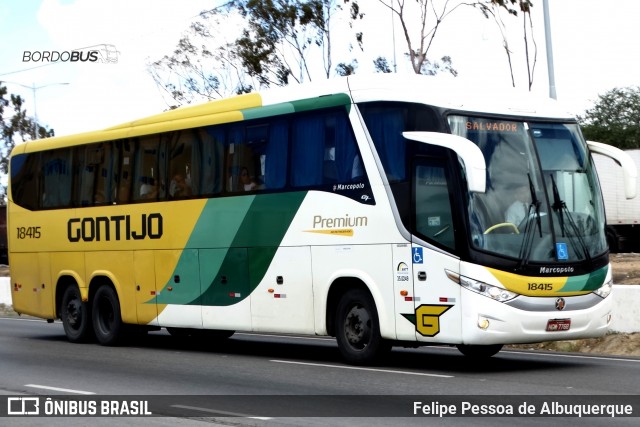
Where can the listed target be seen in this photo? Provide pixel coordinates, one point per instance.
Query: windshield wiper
(561, 208)
(527, 242)
(535, 203)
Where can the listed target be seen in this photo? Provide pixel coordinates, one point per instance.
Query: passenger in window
(99, 197)
(246, 181)
(179, 186)
(149, 191)
(123, 193)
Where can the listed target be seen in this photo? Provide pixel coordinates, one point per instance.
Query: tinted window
(297, 151)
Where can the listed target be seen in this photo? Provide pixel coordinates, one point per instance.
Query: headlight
(604, 290)
(493, 292)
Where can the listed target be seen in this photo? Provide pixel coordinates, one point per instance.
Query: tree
(492, 9)
(431, 17)
(275, 44)
(16, 127)
(615, 118)
(281, 41)
(382, 65)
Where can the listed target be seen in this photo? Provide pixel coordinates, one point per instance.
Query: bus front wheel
(358, 328)
(107, 322)
(75, 315)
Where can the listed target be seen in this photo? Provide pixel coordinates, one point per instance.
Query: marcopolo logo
(103, 53)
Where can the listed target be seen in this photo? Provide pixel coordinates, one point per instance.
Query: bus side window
(276, 155)
(126, 148)
(207, 160)
(339, 140)
(26, 179)
(84, 175)
(147, 180)
(324, 150)
(308, 150)
(243, 158)
(184, 180)
(92, 179)
(108, 172)
(58, 178)
(253, 163)
(433, 212)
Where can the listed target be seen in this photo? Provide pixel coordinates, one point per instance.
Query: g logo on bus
(560, 304)
(428, 319)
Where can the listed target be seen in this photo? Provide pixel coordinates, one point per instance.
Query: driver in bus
(517, 211)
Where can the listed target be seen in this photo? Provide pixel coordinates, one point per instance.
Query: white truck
(623, 214)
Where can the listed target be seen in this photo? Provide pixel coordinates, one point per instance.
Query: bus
(377, 210)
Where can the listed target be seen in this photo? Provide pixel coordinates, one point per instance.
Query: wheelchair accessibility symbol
(417, 256)
(561, 251)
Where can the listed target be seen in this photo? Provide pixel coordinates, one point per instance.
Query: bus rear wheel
(107, 322)
(75, 315)
(358, 328)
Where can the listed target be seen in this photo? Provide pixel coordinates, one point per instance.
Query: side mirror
(629, 169)
(472, 158)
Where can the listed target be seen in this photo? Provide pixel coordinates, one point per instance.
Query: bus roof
(450, 93)
(378, 87)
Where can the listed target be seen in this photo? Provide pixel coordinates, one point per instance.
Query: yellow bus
(383, 211)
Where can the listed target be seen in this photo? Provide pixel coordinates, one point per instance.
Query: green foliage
(512, 6)
(344, 69)
(16, 127)
(275, 45)
(614, 119)
(381, 65)
(246, 45)
(271, 43)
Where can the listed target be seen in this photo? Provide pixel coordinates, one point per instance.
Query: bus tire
(479, 351)
(358, 328)
(107, 321)
(613, 240)
(75, 315)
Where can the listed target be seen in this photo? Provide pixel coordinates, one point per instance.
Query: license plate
(556, 325)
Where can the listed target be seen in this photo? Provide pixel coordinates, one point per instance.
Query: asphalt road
(268, 380)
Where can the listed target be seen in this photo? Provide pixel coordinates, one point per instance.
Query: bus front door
(435, 266)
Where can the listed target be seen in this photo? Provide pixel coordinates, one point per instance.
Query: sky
(595, 47)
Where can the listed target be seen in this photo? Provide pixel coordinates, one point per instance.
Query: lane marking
(582, 356)
(66, 390)
(435, 347)
(356, 368)
(215, 411)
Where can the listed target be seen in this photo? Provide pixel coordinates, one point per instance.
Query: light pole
(34, 88)
(547, 38)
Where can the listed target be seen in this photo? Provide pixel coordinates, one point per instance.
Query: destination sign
(492, 126)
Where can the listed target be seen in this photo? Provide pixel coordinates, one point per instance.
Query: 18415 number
(28, 232)
(540, 287)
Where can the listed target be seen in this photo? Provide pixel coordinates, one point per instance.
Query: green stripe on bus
(268, 111)
(298, 106)
(231, 248)
(328, 101)
(262, 231)
(586, 282)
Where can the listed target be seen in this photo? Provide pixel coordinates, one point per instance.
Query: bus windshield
(542, 202)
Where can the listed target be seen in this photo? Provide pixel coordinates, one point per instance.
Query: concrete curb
(626, 308)
(626, 305)
(5, 290)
